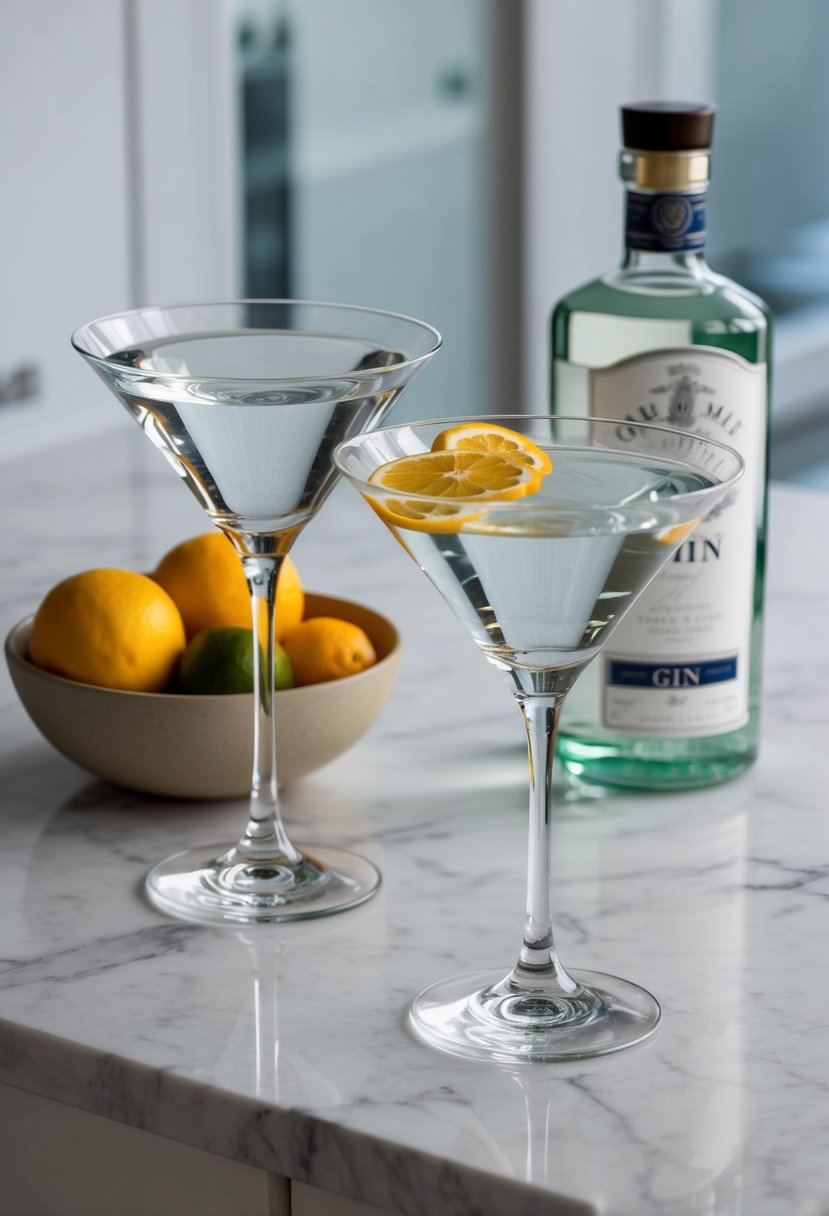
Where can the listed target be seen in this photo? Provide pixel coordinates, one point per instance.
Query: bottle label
(678, 664)
(665, 223)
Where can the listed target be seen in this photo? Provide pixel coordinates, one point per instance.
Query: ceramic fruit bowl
(201, 747)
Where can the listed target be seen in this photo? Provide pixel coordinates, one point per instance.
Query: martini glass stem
(538, 965)
(265, 838)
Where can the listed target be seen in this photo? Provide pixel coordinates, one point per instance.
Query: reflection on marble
(287, 1048)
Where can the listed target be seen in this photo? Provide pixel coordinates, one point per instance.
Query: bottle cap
(667, 126)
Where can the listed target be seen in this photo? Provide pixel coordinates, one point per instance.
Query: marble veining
(287, 1047)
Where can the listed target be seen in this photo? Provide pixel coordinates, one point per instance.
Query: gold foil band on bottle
(664, 170)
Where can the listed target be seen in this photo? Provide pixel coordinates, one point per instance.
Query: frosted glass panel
(366, 134)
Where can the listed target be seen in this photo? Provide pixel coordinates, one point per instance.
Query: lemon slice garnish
(458, 475)
(423, 516)
(488, 437)
(440, 479)
(672, 536)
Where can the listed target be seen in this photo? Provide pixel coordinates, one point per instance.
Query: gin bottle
(673, 700)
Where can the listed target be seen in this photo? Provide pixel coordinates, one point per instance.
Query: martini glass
(247, 401)
(540, 583)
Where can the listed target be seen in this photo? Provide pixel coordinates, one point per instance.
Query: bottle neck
(639, 261)
(665, 226)
(669, 222)
(665, 231)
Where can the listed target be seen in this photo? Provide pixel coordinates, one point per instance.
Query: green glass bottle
(673, 701)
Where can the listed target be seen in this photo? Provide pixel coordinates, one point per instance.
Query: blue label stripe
(625, 674)
(667, 223)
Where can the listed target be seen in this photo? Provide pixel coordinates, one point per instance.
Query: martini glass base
(468, 1016)
(201, 885)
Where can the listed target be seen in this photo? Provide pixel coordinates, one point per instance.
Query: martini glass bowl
(247, 401)
(540, 582)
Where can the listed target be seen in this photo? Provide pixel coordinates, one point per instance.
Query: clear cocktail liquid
(255, 450)
(540, 587)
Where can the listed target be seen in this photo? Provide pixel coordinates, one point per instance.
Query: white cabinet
(117, 161)
(64, 208)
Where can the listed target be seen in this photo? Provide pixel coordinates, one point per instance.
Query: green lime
(220, 660)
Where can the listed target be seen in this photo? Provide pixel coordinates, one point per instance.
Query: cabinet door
(63, 210)
(65, 1162)
(312, 1201)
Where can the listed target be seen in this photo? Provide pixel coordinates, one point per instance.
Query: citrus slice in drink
(489, 438)
(425, 516)
(450, 475)
(672, 536)
(445, 478)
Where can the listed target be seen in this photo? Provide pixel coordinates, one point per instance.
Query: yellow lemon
(327, 648)
(109, 627)
(204, 576)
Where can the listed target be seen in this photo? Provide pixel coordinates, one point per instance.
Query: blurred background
(456, 161)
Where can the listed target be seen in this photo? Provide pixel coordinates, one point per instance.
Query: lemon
(327, 648)
(204, 576)
(108, 627)
(220, 661)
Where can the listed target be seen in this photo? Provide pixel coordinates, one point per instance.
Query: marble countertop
(286, 1047)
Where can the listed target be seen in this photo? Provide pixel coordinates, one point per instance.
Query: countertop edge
(298, 1144)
